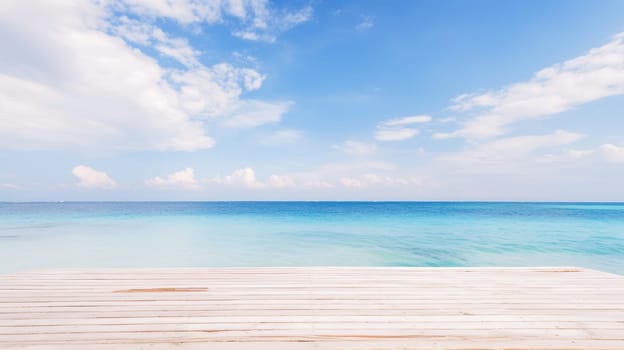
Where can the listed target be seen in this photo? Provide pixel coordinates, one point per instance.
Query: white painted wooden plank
(390, 327)
(337, 304)
(294, 304)
(344, 334)
(356, 295)
(598, 329)
(559, 314)
(518, 343)
(429, 319)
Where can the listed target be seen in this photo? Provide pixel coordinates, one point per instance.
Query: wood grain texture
(313, 308)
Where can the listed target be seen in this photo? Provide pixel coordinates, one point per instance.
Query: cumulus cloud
(184, 178)
(400, 128)
(246, 178)
(77, 75)
(281, 181)
(91, 178)
(613, 153)
(356, 148)
(597, 74)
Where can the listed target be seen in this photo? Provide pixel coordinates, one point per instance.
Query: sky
(311, 100)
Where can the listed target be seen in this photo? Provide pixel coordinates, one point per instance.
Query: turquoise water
(166, 234)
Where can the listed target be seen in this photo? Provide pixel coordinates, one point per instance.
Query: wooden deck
(313, 308)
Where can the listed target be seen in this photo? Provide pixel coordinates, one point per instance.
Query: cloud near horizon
(91, 178)
(511, 149)
(184, 178)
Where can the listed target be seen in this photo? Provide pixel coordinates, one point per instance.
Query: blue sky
(311, 100)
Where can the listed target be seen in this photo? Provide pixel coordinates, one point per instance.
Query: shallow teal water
(46, 235)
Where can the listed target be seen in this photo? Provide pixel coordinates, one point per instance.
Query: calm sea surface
(171, 234)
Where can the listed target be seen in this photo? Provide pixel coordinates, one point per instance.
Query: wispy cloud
(567, 155)
(356, 148)
(283, 136)
(613, 153)
(252, 113)
(396, 134)
(555, 89)
(148, 35)
(10, 186)
(508, 150)
(266, 23)
(366, 22)
(251, 19)
(400, 128)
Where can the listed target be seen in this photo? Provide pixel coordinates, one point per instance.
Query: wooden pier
(312, 308)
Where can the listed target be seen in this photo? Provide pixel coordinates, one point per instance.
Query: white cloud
(245, 177)
(511, 148)
(184, 178)
(415, 119)
(91, 178)
(69, 78)
(358, 165)
(146, 34)
(10, 186)
(566, 156)
(366, 23)
(183, 11)
(356, 148)
(395, 134)
(236, 8)
(267, 23)
(283, 136)
(613, 153)
(257, 18)
(281, 181)
(442, 135)
(445, 120)
(369, 180)
(291, 19)
(344, 174)
(587, 78)
(252, 113)
(399, 128)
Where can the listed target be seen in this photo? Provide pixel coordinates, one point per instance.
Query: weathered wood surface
(313, 308)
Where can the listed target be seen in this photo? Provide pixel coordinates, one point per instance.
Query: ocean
(216, 234)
